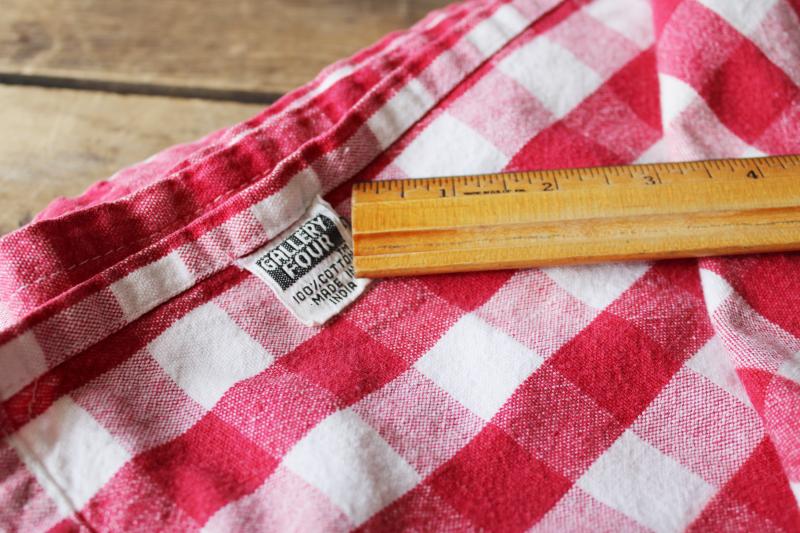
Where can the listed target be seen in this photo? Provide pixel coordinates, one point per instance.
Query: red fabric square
(762, 488)
(199, 472)
(559, 147)
(345, 360)
(497, 484)
(617, 365)
(556, 422)
(770, 284)
(671, 291)
(467, 291)
(748, 92)
(662, 11)
(611, 123)
(636, 84)
(342, 96)
(756, 382)
(412, 324)
(276, 408)
(134, 501)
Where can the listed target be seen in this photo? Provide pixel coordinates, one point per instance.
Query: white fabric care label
(310, 265)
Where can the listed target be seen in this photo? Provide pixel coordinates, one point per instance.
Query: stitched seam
(214, 151)
(371, 95)
(8, 434)
(130, 244)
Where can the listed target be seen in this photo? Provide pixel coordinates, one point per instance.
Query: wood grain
(543, 218)
(245, 49)
(56, 142)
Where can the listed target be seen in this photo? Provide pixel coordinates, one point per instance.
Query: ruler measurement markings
(561, 179)
(759, 169)
(752, 188)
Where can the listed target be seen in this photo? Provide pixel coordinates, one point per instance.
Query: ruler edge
(793, 158)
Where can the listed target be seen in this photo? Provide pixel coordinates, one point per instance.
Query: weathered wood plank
(56, 142)
(263, 47)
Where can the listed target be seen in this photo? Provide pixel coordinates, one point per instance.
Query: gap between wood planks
(146, 89)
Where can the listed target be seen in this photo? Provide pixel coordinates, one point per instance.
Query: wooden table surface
(90, 86)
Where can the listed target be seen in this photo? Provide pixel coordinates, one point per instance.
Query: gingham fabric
(148, 383)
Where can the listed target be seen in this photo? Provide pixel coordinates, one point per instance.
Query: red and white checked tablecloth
(148, 383)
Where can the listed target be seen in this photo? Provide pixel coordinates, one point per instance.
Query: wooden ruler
(585, 215)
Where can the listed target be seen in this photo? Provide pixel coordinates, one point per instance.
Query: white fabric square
(206, 353)
(6, 316)
(630, 18)
(714, 363)
(140, 290)
(715, 289)
(402, 110)
(790, 368)
(480, 366)
(676, 97)
(488, 36)
(448, 147)
(71, 455)
(658, 152)
(597, 285)
(646, 485)
(279, 211)
(352, 465)
(332, 78)
(752, 151)
(743, 15)
(21, 361)
(781, 47)
(552, 74)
